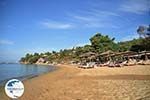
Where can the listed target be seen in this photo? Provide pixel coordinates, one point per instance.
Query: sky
(28, 26)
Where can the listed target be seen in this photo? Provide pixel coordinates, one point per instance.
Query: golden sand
(72, 83)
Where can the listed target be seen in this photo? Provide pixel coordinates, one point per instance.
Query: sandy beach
(103, 83)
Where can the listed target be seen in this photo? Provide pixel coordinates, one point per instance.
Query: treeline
(99, 43)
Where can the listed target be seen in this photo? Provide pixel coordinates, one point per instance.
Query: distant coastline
(8, 63)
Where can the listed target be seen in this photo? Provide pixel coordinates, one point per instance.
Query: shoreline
(26, 77)
(69, 82)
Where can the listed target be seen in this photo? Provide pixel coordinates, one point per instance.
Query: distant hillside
(99, 44)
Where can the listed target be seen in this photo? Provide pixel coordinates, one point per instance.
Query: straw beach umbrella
(89, 56)
(107, 54)
(146, 53)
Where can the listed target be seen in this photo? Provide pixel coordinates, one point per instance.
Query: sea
(22, 71)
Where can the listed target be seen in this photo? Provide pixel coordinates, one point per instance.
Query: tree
(27, 57)
(137, 48)
(22, 59)
(148, 31)
(87, 48)
(102, 43)
(48, 53)
(144, 31)
(130, 45)
(36, 54)
(140, 31)
(33, 59)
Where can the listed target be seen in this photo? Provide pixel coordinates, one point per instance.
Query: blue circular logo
(14, 88)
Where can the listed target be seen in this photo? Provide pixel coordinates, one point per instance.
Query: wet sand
(72, 83)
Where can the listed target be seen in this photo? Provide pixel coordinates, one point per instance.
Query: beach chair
(87, 65)
(141, 62)
(111, 64)
(124, 63)
(131, 62)
(146, 62)
(118, 65)
(105, 64)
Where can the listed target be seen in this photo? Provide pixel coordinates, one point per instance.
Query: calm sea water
(20, 71)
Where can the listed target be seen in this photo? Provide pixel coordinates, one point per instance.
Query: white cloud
(6, 42)
(97, 12)
(84, 18)
(136, 6)
(56, 25)
(94, 18)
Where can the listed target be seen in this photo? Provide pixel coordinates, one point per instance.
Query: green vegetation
(99, 43)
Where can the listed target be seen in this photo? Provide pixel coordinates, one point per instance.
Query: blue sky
(28, 26)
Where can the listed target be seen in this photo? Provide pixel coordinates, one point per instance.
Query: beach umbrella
(89, 56)
(107, 54)
(146, 53)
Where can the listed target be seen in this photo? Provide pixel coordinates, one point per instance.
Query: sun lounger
(131, 62)
(141, 62)
(87, 65)
(105, 64)
(146, 62)
(124, 63)
(118, 65)
(111, 64)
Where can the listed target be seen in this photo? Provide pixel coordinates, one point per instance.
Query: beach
(103, 83)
